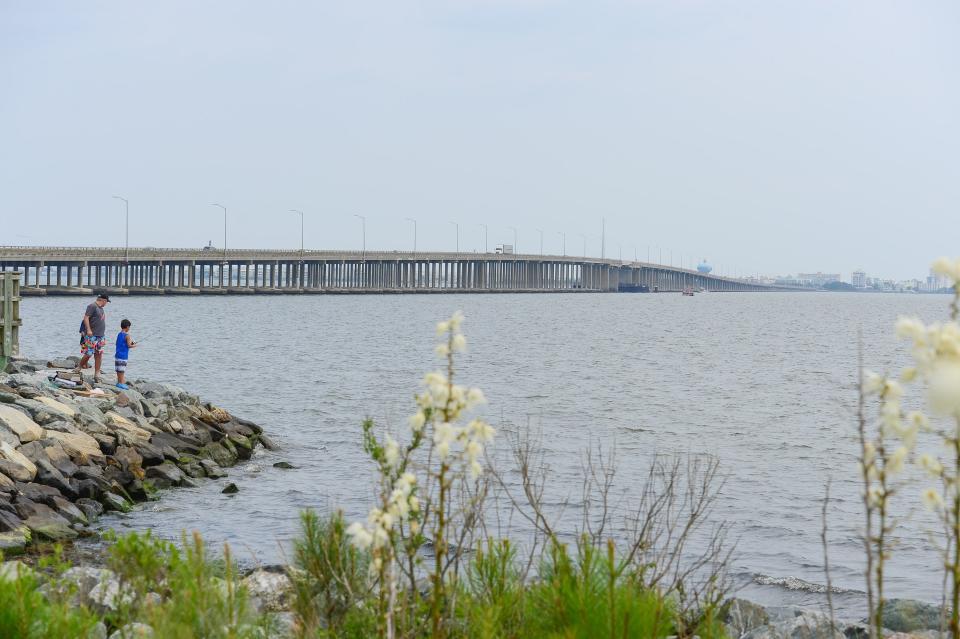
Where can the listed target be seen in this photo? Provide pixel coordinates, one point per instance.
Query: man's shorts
(92, 345)
(120, 365)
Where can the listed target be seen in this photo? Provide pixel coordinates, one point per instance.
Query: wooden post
(9, 317)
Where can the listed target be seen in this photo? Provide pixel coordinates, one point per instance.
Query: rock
(6, 484)
(122, 400)
(48, 475)
(219, 453)
(79, 446)
(17, 466)
(44, 523)
(242, 445)
(213, 470)
(91, 508)
(34, 451)
(19, 424)
(130, 460)
(13, 543)
(108, 444)
(284, 465)
(135, 630)
(82, 579)
(113, 501)
(10, 522)
(907, 615)
(150, 454)
(106, 596)
(165, 475)
(271, 589)
(69, 511)
(13, 570)
(743, 616)
(37, 492)
(803, 626)
(121, 424)
(181, 444)
(230, 489)
(58, 408)
(193, 468)
(267, 442)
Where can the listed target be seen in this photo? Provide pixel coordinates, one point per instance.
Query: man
(92, 332)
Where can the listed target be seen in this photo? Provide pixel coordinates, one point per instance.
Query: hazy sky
(764, 135)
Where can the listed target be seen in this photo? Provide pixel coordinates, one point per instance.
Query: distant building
(859, 279)
(817, 279)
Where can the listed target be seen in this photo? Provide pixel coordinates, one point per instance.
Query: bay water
(764, 381)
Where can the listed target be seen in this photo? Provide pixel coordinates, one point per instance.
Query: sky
(765, 136)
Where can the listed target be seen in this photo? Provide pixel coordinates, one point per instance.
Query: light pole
(564, 236)
(584, 244)
(224, 242)
(363, 227)
(126, 241)
(457, 224)
(541, 241)
(410, 219)
(512, 228)
(603, 239)
(485, 232)
(301, 243)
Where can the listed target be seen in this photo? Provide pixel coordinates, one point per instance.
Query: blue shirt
(123, 351)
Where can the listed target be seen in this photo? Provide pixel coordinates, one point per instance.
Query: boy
(124, 344)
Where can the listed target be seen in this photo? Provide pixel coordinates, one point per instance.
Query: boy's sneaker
(122, 386)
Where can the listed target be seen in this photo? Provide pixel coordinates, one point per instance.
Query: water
(764, 381)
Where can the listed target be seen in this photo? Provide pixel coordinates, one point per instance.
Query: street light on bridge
(126, 241)
(301, 244)
(584, 244)
(224, 242)
(515, 248)
(410, 219)
(541, 241)
(457, 224)
(485, 233)
(363, 222)
(564, 236)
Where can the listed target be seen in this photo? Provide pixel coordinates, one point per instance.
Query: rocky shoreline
(69, 455)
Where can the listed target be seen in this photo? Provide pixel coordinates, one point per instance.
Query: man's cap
(103, 296)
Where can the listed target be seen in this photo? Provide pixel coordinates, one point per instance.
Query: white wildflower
(391, 452)
(932, 499)
(931, 465)
(456, 320)
(895, 463)
(417, 421)
(458, 343)
(442, 328)
(872, 383)
(360, 537)
(475, 397)
(475, 469)
(442, 350)
(443, 450)
(911, 327)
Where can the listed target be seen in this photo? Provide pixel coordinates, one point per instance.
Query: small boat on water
(688, 291)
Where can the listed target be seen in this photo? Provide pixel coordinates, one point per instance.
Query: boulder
(34, 452)
(90, 507)
(6, 484)
(743, 616)
(267, 443)
(68, 511)
(165, 475)
(49, 475)
(10, 522)
(13, 570)
(16, 422)
(80, 446)
(15, 465)
(121, 424)
(242, 445)
(230, 489)
(181, 444)
(7, 397)
(45, 523)
(270, 588)
(219, 453)
(113, 501)
(36, 493)
(14, 542)
(150, 454)
(58, 408)
(907, 615)
(130, 460)
(213, 470)
(284, 465)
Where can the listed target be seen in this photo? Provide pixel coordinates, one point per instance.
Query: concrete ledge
(240, 290)
(181, 291)
(144, 290)
(33, 291)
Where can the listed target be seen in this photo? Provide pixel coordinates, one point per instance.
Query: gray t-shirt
(98, 320)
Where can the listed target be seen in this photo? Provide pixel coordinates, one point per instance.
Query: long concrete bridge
(156, 271)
